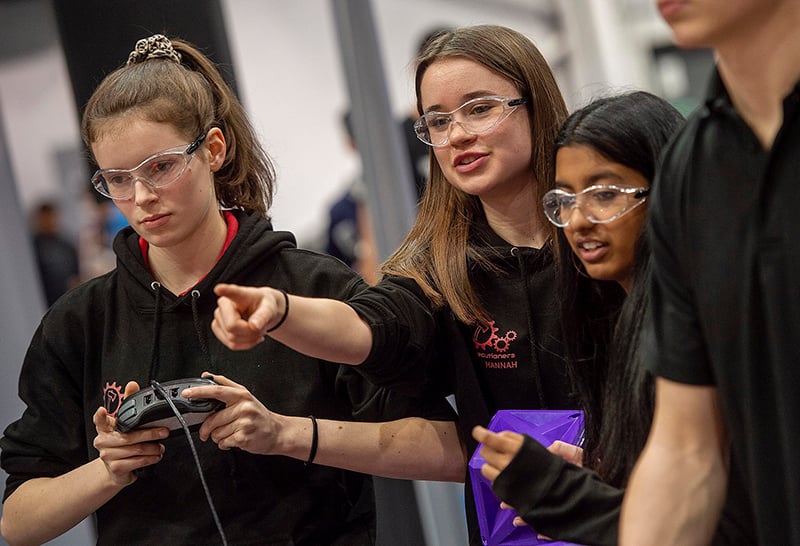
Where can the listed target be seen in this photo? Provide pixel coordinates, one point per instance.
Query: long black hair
(601, 325)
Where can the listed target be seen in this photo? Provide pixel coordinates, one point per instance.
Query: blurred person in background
(56, 256)
(350, 235)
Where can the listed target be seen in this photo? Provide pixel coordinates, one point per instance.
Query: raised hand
(244, 313)
(499, 448)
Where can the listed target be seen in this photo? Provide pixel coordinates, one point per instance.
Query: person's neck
(516, 220)
(760, 67)
(179, 268)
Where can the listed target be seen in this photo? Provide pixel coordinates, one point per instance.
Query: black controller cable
(160, 390)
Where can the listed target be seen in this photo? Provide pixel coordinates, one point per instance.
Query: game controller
(148, 408)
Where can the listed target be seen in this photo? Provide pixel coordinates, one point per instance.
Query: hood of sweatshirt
(255, 241)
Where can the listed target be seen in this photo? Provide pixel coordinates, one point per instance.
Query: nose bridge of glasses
(146, 184)
(576, 204)
(138, 175)
(463, 126)
(129, 178)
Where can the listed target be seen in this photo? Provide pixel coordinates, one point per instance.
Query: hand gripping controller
(147, 408)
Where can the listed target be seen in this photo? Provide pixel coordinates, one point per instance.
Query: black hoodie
(122, 327)
(515, 362)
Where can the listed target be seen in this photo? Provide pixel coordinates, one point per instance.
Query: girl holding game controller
(180, 160)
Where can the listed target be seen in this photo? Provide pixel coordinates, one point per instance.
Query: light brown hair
(437, 251)
(193, 97)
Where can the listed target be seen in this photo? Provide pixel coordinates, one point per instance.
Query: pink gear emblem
(481, 334)
(486, 337)
(112, 398)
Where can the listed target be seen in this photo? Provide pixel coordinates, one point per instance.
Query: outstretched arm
(322, 328)
(41, 509)
(410, 448)
(677, 488)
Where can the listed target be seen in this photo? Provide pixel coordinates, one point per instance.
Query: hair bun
(156, 46)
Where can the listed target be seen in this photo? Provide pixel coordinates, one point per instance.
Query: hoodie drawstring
(156, 287)
(198, 330)
(154, 356)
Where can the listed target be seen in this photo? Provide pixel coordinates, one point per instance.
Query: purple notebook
(544, 426)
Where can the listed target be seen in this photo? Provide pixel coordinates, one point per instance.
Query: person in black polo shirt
(725, 290)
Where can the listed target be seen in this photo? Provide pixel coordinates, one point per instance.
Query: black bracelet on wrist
(314, 440)
(285, 310)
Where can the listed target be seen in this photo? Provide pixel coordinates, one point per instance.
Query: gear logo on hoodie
(112, 398)
(494, 350)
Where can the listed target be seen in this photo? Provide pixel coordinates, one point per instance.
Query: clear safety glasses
(600, 204)
(157, 171)
(475, 116)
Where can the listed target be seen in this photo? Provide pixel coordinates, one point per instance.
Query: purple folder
(545, 426)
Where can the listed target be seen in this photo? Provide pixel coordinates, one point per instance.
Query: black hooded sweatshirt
(123, 326)
(514, 362)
